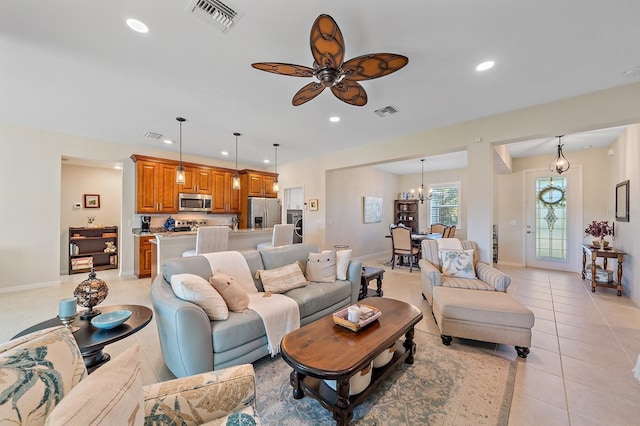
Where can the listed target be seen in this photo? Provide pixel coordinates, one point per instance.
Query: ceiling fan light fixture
(180, 179)
(559, 164)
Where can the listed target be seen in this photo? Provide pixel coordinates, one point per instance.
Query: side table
(92, 340)
(369, 273)
(605, 254)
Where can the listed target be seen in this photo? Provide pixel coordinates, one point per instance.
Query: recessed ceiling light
(118, 166)
(225, 153)
(485, 66)
(266, 161)
(334, 119)
(168, 141)
(137, 26)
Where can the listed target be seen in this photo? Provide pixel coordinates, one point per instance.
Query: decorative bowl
(110, 319)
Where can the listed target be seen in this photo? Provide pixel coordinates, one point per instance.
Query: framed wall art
(622, 201)
(372, 209)
(91, 201)
(313, 204)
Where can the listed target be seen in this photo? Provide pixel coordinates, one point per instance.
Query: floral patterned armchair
(43, 380)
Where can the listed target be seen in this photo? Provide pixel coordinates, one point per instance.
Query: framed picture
(313, 204)
(91, 201)
(622, 201)
(372, 209)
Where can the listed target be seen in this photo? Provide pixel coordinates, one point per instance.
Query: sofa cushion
(196, 265)
(193, 288)
(321, 267)
(458, 263)
(112, 395)
(254, 260)
(318, 296)
(236, 298)
(36, 372)
(239, 329)
(343, 257)
(276, 257)
(283, 279)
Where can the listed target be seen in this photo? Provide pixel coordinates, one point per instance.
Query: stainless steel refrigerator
(263, 212)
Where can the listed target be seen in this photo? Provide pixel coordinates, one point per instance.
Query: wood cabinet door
(203, 181)
(234, 198)
(167, 189)
(189, 180)
(255, 185)
(221, 187)
(268, 187)
(146, 184)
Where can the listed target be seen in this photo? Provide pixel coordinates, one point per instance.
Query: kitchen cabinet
(142, 256)
(156, 187)
(259, 184)
(196, 181)
(93, 248)
(225, 198)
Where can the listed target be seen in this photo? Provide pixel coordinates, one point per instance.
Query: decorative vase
(90, 293)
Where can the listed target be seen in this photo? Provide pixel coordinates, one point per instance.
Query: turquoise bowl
(110, 319)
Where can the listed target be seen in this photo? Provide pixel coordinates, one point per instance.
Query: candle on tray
(67, 307)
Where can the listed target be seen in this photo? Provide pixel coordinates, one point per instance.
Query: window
(551, 219)
(445, 204)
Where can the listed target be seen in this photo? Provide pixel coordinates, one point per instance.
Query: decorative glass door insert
(551, 219)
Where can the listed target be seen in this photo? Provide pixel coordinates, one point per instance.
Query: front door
(554, 219)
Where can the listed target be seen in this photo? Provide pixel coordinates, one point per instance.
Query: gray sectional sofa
(191, 343)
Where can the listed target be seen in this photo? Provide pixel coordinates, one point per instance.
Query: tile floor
(578, 372)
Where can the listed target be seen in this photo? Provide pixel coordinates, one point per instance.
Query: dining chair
(402, 246)
(282, 236)
(438, 228)
(449, 232)
(210, 239)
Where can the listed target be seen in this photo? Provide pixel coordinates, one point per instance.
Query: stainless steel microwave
(194, 202)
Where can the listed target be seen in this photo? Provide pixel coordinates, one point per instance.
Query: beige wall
(77, 181)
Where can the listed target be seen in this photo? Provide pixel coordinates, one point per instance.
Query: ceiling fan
(329, 67)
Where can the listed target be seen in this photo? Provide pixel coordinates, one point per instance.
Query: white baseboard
(29, 286)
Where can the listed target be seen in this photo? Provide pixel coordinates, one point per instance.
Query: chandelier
(559, 164)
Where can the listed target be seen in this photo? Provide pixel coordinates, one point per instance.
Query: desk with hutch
(605, 254)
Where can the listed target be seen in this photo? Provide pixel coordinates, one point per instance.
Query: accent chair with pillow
(450, 262)
(43, 380)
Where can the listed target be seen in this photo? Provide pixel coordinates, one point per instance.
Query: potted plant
(599, 230)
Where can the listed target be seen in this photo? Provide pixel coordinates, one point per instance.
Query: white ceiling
(75, 67)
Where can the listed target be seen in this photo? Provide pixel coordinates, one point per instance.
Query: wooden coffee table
(323, 350)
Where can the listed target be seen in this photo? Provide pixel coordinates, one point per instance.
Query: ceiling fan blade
(307, 93)
(350, 92)
(373, 65)
(327, 43)
(284, 69)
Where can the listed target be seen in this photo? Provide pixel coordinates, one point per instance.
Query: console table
(605, 254)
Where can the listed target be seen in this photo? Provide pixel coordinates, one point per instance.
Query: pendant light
(180, 172)
(236, 176)
(276, 185)
(559, 164)
(421, 196)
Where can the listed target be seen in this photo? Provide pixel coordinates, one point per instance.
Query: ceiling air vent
(222, 16)
(388, 110)
(152, 135)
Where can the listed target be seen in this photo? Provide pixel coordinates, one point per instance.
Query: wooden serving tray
(340, 318)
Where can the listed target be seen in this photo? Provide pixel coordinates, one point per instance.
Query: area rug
(446, 385)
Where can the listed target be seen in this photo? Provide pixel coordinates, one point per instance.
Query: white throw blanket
(280, 315)
(233, 264)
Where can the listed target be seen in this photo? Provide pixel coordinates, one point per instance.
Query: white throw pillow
(282, 279)
(111, 395)
(458, 263)
(196, 289)
(321, 267)
(343, 257)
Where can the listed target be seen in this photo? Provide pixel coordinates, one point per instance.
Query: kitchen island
(172, 244)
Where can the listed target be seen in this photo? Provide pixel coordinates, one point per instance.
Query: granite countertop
(162, 233)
